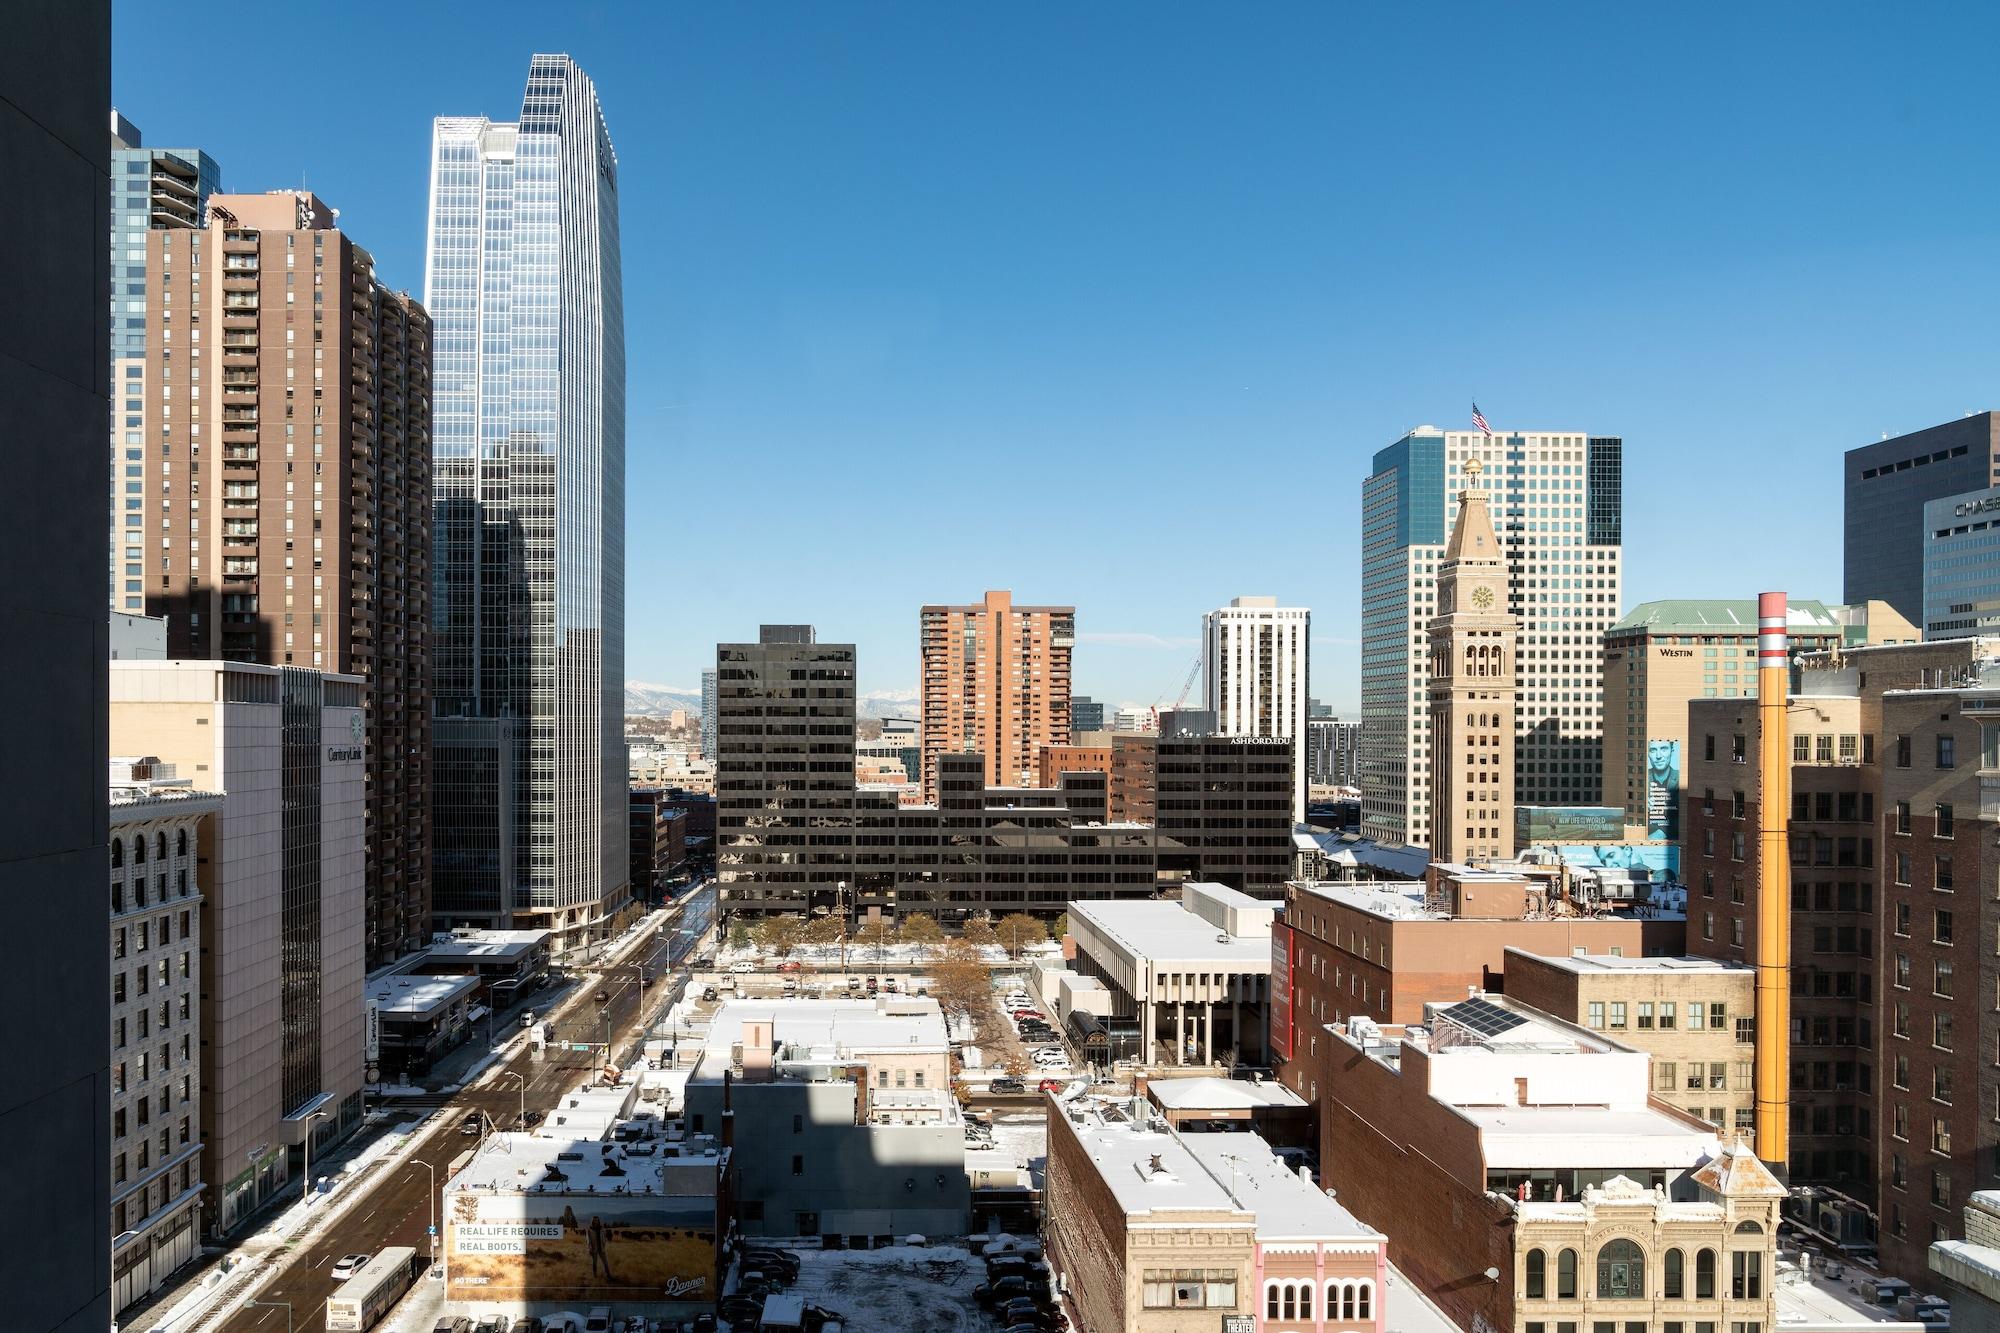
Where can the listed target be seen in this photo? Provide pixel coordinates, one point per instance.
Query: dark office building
(1223, 805)
(1887, 485)
(1085, 714)
(55, 100)
(659, 842)
(794, 835)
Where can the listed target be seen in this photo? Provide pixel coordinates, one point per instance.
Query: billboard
(1663, 790)
(1281, 991)
(1662, 858)
(1568, 823)
(579, 1247)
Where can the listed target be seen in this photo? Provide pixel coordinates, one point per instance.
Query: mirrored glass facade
(523, 283)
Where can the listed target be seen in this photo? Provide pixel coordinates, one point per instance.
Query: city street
(395, 1207)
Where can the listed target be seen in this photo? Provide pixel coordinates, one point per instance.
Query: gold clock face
(1482, 598)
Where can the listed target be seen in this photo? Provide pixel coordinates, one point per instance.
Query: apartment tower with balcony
(287, 490)
(995, 679)
(1255, 658)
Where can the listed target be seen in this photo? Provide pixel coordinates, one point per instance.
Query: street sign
(1239, 1323)
(430, 1231)
(579, 1046)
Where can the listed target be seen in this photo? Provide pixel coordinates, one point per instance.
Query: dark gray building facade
(1222, 807)
(55, 100)
(1886, 486)
(794, 835)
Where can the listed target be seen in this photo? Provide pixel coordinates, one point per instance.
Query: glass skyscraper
(1558, 506)
(522, 281)
(151, 188)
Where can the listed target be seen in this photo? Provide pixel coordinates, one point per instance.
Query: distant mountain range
(646, 700)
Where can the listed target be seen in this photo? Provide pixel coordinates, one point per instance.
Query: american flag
(1480, 421)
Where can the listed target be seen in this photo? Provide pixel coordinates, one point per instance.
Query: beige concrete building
(281, 1040)
(1153, 1231)
(995, 680)
(287, 514)
(1473, 643)
(1657, 658)
(1624, 1255)
(160, 838)
(1694, 1016)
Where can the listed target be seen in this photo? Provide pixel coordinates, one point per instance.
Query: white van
(527, 1019)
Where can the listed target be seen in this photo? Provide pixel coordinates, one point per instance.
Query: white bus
(358, 1303)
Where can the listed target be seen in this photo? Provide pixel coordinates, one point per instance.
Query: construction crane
(1194, 668)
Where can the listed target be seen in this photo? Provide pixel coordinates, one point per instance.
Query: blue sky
(1111, 304)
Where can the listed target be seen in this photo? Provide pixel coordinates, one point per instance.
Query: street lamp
(286, 1306)
(306, 1196)
(509, 1073)
(434, 1208)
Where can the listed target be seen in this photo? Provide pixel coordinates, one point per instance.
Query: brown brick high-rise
(996, 680)
(288, 494)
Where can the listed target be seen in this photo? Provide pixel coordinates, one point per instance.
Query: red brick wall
(1412, 1168)
(1085, 1227)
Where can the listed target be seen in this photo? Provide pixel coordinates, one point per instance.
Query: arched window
(1621, 1271)
(1749, 1229)
(181, 843)
(1364, 1300)
(1671, 1283)
(1704, 1275)
(117, 852)
(1271, 1300)
(1566, 1275)
(1305, 1300)
(1538, 1275)
(160, 845)
(1290, 1305)
(139, 849)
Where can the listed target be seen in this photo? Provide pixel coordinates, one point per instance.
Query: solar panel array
(1483, 1017)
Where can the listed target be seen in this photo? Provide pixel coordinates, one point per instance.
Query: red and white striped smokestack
(1771, 620)
(1774, 884)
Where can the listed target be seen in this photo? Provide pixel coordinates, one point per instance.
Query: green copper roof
(1720, 615)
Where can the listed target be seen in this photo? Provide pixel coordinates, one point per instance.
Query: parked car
(996, 1294)
(740, 969)
(598, 1320)
(791, 965)
(1051, 1085)
(527, 1324)
(452, 1324)
(782, 1262)
(890, 984)
(348, 1265)
(741, 1310)
(708, 994)
(1028, 1311)
(1007, 1086)
(1049, 1057)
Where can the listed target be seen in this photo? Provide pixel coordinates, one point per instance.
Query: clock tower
(1473, 641)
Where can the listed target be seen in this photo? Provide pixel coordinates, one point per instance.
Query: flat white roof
(1287, 1205)
(1155, 1170)
(1398, 901)
(890, 1023)
(1610, 963)
(417, 995)
(1166, 930)
(489, 944)
(520, 1162)
(1515, 1138)
(1207, 1092)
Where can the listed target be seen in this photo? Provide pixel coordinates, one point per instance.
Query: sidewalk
(216, 1286)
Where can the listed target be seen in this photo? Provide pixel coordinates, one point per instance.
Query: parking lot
(900, 1289)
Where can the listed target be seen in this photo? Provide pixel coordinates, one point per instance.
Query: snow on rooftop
(887, 1023)
(1155, 1170)
(405, 994)
(1167, 930)
(1209, 1093)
